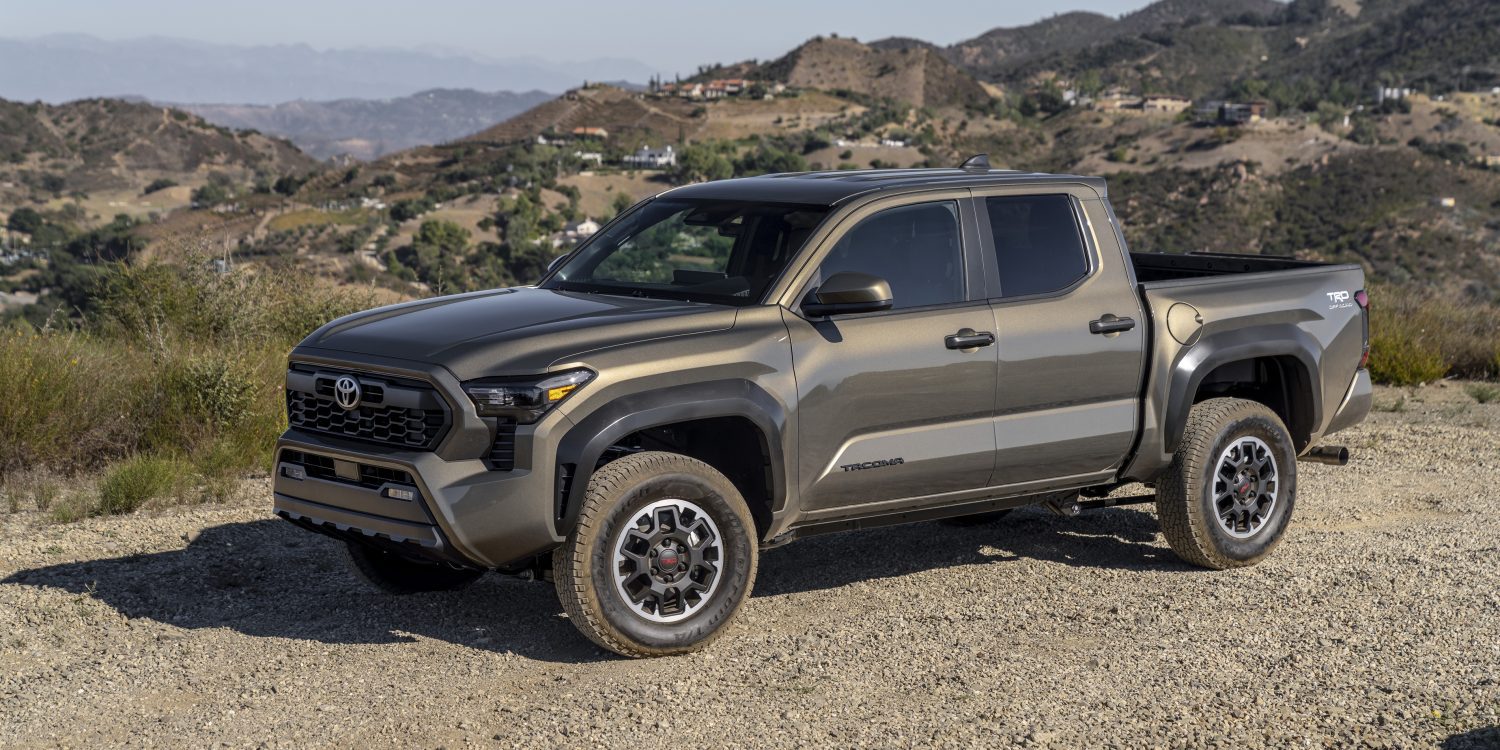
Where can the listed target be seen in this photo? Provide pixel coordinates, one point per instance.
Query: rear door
(1071, 332)
(888, 410)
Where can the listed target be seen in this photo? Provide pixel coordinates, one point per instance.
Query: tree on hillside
(699, 163)
(24, 220)
(621, 202)
(769, 159)
(436, 255)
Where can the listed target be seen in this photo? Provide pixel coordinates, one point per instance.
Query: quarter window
(917, 249)
(1038, 244)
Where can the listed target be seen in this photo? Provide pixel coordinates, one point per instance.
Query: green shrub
(215, 390)
(1482, 392)
(132, 483)
(1418, 336)
(1398, 358)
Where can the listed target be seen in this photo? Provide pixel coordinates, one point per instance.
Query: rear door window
(1039, 246)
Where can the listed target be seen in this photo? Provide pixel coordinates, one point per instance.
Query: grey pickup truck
(730, 366)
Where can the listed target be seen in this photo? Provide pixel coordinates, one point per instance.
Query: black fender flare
(1254, 342)
(587, 439)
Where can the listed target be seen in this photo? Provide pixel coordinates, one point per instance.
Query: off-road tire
(1184, 495)
(582, 571)
(395, 574)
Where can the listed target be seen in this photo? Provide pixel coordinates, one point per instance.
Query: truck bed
(1151, 267)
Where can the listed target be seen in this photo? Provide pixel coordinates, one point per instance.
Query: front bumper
(460, 510)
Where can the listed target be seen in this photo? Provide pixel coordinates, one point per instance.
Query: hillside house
(589, 156)
(647, 157)
(1215, 112)
(1390, 93)
(1165, 103)
(1115, 101)
(573, 232)
(1243, 113)
(577, 230)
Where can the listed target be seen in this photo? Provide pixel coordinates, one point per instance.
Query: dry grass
(315, 218)
(1417, 337)
(172, 393)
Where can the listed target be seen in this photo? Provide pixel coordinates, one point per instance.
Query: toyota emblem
(346, 392)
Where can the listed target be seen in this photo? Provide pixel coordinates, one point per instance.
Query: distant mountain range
(65, 67)
(370, 128)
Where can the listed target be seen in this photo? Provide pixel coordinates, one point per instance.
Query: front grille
(401, 413)
(322, 467)
(503, 452)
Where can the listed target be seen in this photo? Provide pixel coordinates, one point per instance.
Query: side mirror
(848, 292)
(557, 262)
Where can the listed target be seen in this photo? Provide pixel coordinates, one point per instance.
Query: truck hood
(512, 331)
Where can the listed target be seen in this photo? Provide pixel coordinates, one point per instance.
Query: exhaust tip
(1333, 455)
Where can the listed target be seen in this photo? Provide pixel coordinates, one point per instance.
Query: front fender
(586, 441)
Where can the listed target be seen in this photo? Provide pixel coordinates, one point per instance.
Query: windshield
(724, 252)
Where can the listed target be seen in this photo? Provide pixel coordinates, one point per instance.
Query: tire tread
(570, 563)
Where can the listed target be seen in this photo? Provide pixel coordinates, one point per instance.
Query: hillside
(1437, 44)
(99, 146)
(912, 74)
(998, 53)
(370, 128)
(618, 111)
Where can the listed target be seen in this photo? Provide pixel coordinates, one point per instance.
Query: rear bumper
(1356, 404)
(460, 511)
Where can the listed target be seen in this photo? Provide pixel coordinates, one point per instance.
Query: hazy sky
(673, 35)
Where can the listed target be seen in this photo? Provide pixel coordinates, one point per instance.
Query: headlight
(527, 399)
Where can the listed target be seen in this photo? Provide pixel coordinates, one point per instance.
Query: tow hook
(1334, 455)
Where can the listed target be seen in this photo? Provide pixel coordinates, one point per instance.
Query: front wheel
(1227, 498)
(662, 557)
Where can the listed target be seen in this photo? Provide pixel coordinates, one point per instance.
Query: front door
(889, 408)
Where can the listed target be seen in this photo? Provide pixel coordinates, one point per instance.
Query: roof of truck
(832, 188)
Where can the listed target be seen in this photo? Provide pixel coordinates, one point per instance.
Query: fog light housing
(396, 493)
(294, 472)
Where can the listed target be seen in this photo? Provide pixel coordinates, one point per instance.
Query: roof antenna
(977, 162)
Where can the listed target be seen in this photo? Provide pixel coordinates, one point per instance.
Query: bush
(1397, 358)
(1419, 336)
(157, 185)
(131, 484)
(1483, 393)
(177, 361)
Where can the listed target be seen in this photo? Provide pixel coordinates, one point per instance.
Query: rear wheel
(395, 574)
(1227, 498)
(662, 557)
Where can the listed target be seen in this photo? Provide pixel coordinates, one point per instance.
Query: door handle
(1108, 323)
(968, 339)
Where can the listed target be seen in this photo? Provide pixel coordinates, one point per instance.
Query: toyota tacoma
(730, 366)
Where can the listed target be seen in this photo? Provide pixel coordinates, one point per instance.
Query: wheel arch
(746, 423)
(1275, 365)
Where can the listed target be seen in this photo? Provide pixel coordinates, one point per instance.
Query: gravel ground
(1376, 623)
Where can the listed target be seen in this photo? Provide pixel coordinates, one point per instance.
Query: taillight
(1362, 299)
